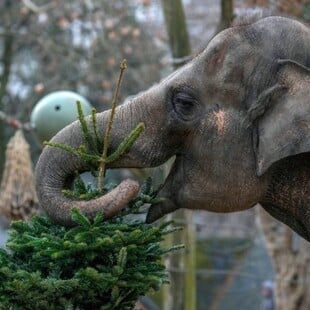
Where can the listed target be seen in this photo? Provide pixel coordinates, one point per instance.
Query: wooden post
(6, 61)
(181, 294)
(227, 9)
(176, 28)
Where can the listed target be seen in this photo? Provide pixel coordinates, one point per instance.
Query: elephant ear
(283, 125)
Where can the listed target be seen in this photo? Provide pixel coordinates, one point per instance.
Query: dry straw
(18, 198)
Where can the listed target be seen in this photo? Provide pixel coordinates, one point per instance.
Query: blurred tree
(176, 29)
(291, 258)
(227, 9)
(76, 45)
(5, 67)
(181, 294)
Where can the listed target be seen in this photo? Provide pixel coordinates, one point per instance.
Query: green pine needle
(88, 139)
(95, 129)
(126, 144)
(95, 265)
(79, 218)
(63, 147)
(99, 264)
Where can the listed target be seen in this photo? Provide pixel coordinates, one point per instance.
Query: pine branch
(106, 140)
(126, 144)
(95, 128)
(88, 139)
(63, 147)
(91, 154)
(98, 262)
(80, 152)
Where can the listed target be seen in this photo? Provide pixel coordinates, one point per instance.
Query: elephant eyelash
(184, 100)
(184, 106)
(184, 103)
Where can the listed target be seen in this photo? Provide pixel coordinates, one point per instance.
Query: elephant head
(236, 118)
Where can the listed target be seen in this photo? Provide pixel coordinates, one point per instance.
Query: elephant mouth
(169, 194)
(158, 211)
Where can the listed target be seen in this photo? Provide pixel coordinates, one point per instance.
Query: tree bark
(227, 10)
(176, 29)
(6, 61)
(181, 294)
(291, 258)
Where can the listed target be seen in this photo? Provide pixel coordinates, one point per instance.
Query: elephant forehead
(222, 61)
(222, 46)
(188, 74)
(227, 61)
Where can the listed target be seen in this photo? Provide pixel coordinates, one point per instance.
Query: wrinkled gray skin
(237, 119)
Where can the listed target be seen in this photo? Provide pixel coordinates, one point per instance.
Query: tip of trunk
(110, 204)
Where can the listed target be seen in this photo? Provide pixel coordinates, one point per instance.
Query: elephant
(236, 118)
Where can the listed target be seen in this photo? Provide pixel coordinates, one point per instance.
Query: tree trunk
(291, 258)
(181, 294)
(176, 29)
(6, 60)
(227, 10)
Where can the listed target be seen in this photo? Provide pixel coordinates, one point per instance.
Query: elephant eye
(184, 105)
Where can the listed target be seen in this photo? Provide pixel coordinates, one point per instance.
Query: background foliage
(75, 45)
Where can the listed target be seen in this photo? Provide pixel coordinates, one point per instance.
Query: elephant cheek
(219, 120)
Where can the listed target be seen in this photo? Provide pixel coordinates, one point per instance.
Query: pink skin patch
(220, 121)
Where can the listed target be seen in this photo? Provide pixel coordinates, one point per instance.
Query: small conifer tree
(98, 264)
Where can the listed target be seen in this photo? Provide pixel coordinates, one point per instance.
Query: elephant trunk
(56, 168)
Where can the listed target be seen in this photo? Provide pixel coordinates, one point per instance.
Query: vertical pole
(181, 294)
(6, 60)
(227, 10)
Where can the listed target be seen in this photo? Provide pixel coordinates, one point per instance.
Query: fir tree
(98, 264)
